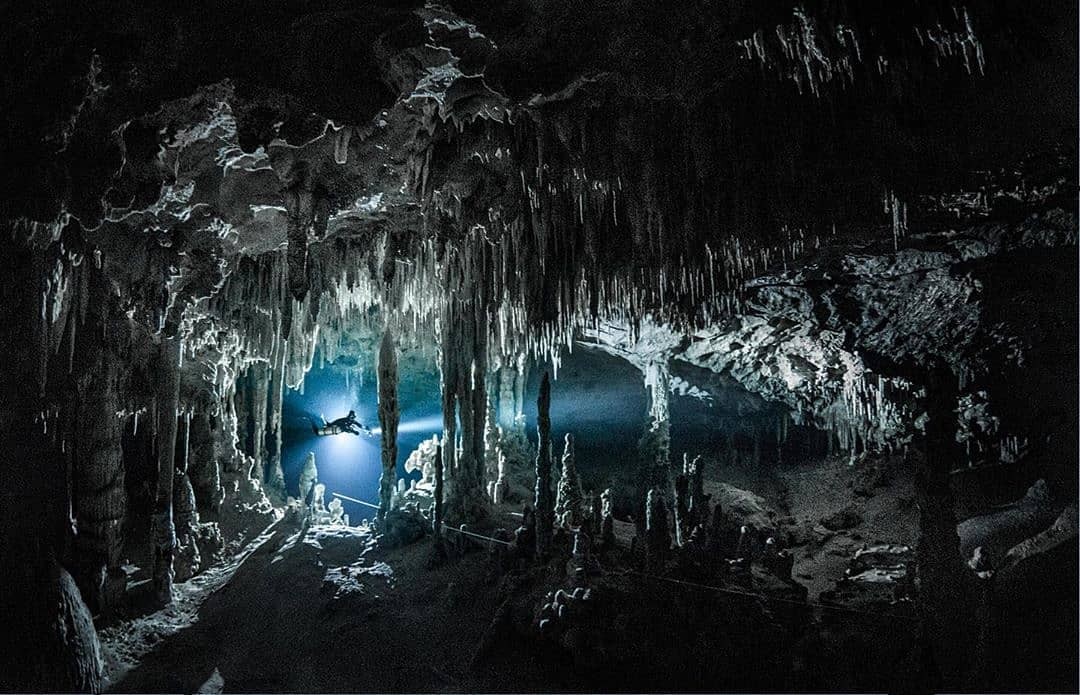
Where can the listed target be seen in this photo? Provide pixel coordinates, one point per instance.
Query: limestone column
(544, 504)
(506, 406)
(275, 475)
(260, 390)
(185, 512)
(655, 443)
(946, 586)
(164, 532)
(100, 499)
(437, 521)
(389, 417)
(242, 408)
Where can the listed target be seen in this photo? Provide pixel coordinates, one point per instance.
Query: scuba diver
(349, 424)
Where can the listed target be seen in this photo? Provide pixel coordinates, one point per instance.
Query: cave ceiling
(271, 180)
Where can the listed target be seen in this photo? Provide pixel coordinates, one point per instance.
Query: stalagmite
(69, 658)
(699, 501)
(543, 502)
(607, 522)
(185, 514)
(437, 516)
(389, 416)
(309, 475)
(657, 533)
(164, 531)
(682, 509)
(568, 500)
(260, 386)
(501, 485)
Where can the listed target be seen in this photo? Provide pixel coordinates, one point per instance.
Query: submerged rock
(998, 531)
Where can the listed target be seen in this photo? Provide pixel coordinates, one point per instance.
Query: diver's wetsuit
(349, 424)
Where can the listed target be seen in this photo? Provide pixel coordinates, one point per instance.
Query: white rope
(477, 535)
(807, 604)
(353, 499)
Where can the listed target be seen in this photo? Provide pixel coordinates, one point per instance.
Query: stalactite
(389, 416)
(164, 532)
(275, 475)
(260, 388)
(521, 377)
(300, 203)
(543, 502)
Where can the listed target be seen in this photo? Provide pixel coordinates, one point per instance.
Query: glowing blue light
(432, 424)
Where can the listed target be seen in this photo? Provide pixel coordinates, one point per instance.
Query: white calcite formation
(389, 417)
(569, 499)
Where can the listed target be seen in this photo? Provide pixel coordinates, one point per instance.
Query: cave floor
(277, 626)
(392, 622)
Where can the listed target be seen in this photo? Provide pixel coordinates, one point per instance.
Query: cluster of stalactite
(209, 382)
(818, 52)
(463, 364)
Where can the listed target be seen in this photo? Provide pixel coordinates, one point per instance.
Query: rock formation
(309, 476)
(569, 511)
(544, 504)
(389, 416)
(607, 522)
(657, 532)
(166, 416)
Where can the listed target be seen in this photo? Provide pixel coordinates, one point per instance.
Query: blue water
(347, 463)
(598, 397)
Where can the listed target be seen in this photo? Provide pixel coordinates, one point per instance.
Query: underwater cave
(539, 346)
